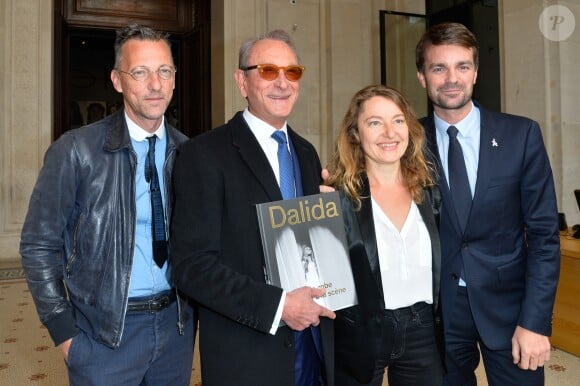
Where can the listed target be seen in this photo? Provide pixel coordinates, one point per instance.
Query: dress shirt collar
(262, 130)
(139, 134)
(467, 127)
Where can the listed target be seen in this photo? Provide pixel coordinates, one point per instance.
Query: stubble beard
(445, 103)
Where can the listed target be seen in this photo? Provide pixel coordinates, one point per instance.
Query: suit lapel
(253, 156)
(306, 172)
(426, 211)
(296, 164)
(486, 164)
(367, 233)
(448, 206)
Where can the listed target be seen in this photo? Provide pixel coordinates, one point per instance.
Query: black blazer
(510, 249)
(357, 328)
(217, 255)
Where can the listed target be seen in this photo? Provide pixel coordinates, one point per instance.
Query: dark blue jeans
(407, 350)
(151, 353)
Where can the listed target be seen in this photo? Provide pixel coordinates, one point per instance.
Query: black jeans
(407, 350)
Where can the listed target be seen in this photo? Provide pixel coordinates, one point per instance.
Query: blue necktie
(307, 362)
(157, 215)
(286, 166)
(458, 181)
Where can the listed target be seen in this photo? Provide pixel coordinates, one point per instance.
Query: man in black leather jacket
(87, 243)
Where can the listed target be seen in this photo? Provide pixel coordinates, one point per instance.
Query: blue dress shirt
(468, 137)
(146, 277)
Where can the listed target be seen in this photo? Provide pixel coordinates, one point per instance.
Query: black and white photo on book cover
(304, 244)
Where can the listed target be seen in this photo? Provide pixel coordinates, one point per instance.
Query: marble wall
(339, 43)
(25, 109)
(541, 80)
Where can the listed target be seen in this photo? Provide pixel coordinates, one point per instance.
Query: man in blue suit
(500, 251)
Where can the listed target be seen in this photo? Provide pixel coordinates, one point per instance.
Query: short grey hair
(248, 45)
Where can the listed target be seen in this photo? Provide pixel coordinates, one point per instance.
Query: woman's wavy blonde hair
(347, 166)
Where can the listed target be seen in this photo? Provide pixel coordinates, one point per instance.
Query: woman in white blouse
(391, 211)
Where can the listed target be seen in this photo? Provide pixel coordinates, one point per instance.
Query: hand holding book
(301, 311)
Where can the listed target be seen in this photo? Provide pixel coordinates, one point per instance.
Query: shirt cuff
(278, 316)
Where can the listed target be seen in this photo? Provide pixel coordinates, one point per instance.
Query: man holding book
(216, 248)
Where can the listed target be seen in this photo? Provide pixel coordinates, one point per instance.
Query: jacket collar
(367, 229)
(117, 134)
(252, 154)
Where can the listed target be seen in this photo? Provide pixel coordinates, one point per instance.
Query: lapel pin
(494, 143)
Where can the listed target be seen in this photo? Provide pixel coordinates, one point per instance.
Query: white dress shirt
(405, 259)
(263, 133)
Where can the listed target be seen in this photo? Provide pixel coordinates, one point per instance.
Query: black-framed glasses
(270, 71)
(141, 74)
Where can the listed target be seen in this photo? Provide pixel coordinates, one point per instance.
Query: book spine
(266, 267)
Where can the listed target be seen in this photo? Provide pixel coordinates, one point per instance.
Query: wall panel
(25, 122)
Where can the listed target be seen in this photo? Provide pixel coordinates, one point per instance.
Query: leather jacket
(79, 234)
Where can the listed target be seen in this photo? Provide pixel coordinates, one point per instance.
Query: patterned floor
(28, 356)
(11, 273)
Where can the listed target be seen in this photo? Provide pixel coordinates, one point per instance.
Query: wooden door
(84, 55)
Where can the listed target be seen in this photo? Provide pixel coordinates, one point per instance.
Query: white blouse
(404, 258)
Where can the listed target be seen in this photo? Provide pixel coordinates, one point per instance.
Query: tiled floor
(29, 356)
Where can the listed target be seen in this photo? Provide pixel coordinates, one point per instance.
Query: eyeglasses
(271, 71)
(141, 74)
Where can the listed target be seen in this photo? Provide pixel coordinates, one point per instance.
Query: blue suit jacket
(510, 249)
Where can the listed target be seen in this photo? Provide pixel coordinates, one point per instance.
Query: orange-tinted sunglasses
(271, 71)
